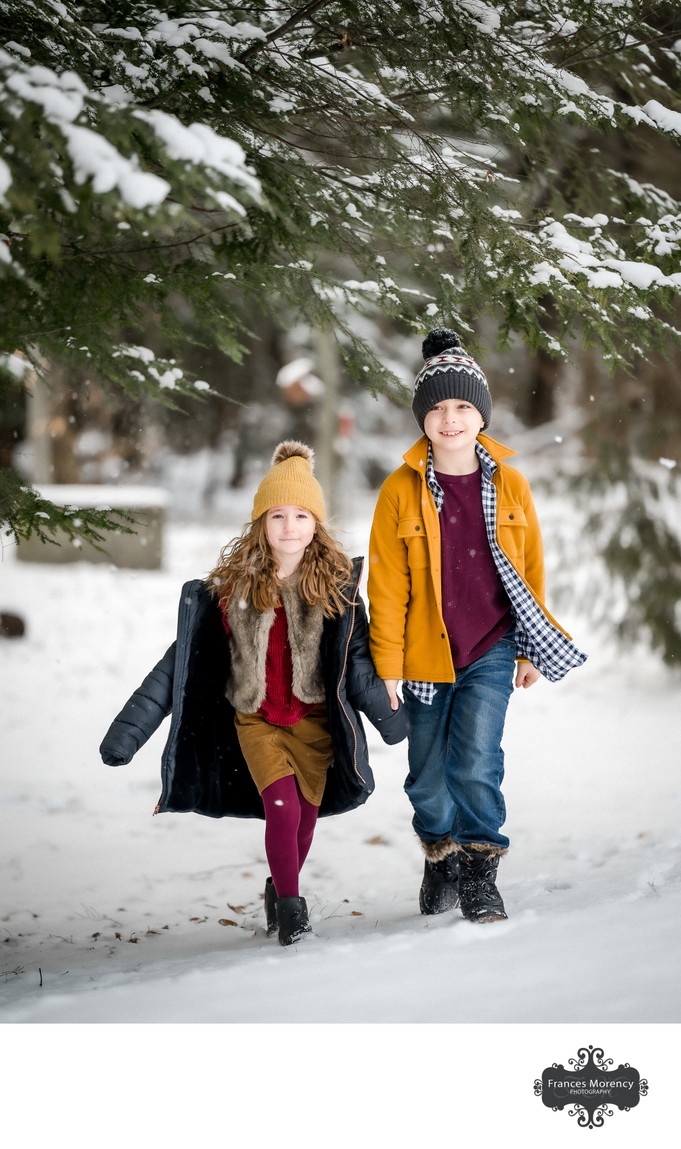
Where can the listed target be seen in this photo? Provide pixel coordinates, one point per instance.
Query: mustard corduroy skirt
(272, 752)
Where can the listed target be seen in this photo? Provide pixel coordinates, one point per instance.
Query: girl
(265, 680)
(456, 594)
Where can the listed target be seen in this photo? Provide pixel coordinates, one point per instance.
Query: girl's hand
(391, 687)
(526, 675)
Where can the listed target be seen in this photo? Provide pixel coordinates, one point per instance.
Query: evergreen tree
(431, 161)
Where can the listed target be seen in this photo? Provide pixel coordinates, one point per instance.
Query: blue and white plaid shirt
(536, 637)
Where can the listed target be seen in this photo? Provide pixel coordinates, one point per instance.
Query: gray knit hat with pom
(449, 373)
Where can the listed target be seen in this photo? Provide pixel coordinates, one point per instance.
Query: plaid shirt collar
(487, 466)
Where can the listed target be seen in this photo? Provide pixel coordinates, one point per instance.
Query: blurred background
(604, 472)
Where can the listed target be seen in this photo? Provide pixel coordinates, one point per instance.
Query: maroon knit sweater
(475, 606)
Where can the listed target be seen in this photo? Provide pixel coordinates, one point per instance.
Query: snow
(95, 158)
(580, 256)
(200, 144)
(5, 183)
(14, 364)
(113, 916)
(642, 275)
(103, 496)
(487, 19)
(664, 118)
(62, 96)
(184, 32)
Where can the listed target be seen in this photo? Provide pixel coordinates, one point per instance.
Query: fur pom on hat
(449, 372)
(289, 449)
(290, 482)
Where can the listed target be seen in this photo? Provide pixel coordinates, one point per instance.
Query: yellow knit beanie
(290, 482)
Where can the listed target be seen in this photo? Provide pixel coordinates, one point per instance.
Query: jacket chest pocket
(511, 531)
(413, 531)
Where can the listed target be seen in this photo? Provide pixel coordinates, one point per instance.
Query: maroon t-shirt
(475, 606)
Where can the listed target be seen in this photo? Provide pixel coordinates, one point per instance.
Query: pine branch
(276, 33)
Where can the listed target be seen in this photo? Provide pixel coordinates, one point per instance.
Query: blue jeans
(456, 763)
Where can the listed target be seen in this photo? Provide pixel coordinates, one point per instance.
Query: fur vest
(250, 633)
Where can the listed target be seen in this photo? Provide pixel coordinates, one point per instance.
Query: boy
(456, 588)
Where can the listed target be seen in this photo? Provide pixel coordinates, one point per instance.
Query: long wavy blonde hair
(247, 568)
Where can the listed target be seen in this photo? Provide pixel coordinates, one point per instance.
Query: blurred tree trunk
(327, 461)
(38, 414)
(538, 402)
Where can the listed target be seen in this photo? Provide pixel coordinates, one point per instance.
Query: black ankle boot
(293, 920)
(480, 898)
(271, 908)
(440, 886)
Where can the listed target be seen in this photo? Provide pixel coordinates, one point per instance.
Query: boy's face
(453, 426)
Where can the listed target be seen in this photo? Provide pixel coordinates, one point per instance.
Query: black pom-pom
(438, 341)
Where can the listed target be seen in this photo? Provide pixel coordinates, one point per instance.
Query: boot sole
(293, 938)
(487, 918)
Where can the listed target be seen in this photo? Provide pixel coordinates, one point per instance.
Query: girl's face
(289, 531)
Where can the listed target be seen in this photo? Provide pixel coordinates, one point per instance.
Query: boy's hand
(526, 675)
(391, 687)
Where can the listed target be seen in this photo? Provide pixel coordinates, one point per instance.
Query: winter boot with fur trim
(480, 898)
(440, 886)
(293, 920)
(271, 908)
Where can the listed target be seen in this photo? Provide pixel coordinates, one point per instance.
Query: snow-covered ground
(110, 915)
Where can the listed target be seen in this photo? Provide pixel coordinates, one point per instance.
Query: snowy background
(110, 915)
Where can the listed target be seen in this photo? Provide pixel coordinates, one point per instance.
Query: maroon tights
(290, 822)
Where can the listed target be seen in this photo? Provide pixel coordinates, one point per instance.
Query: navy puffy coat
(202, 767)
